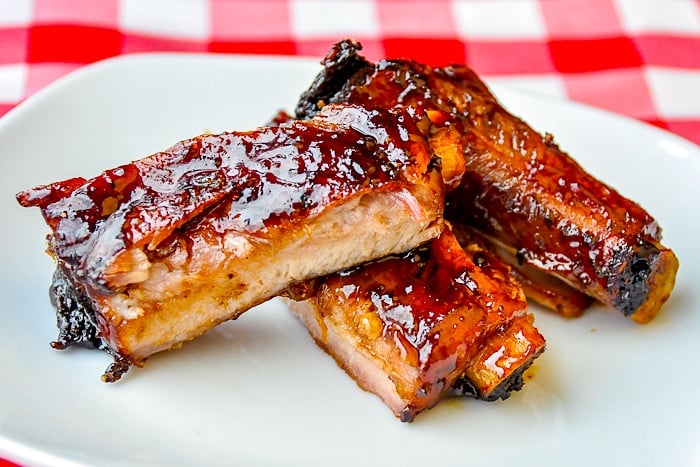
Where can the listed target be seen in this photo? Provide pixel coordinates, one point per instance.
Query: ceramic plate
(258, 391)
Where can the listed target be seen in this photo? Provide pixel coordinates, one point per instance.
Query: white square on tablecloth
(675, 92)
(337, 19)
(186, 19)
(507, 19)
(549, 85)
(16, 12)
(13, 80)
(675, 16)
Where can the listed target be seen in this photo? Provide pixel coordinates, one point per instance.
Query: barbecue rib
(517, 187)
(156, 252)
(414, 328)
(539, 286)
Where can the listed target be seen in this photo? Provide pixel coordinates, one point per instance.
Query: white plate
(607, 391)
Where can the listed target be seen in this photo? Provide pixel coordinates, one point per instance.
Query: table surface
(639, 58)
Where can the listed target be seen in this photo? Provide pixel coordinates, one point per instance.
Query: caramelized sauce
(247, 182)
(434, 306)
(516, 185)
(514, 177)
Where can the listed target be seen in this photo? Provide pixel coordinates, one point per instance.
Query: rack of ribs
(567, 231)
(158, 251)
(439, 320)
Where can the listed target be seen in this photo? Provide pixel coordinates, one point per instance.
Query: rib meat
(516, 187)
(436, 321)
(156, 252)
(543, 288)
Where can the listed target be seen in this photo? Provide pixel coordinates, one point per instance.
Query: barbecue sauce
(204, 188)
(432, 307)
(246, 182)
(515, 184)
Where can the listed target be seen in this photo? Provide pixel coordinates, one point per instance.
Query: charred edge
(631, 287)
(407, 415)
(77, 324)
(341, 63)
(115, 371)
(464, 387)
(514, 382)
(75, 318)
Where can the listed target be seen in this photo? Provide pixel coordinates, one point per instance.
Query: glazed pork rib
(539, 286)
(529, 196)
(517, 187)
(157, 252)
(433, 322)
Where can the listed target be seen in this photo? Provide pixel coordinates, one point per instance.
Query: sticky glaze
(433, 307)
(516, 185)
(247, 182)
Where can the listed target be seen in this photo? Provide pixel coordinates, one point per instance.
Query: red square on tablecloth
(683, 52)
(689, 129)
(628, 86)
(435, 52)
(69, 43)
(273, 47)
(576, 56)
(422, 18)
(97, 13)
(138, 43)
(581, 18)
(4, 108)
(509, 57)
(13, 45)
(250, 20)
(42, 74)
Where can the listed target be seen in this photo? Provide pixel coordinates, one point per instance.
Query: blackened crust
(514, 382)
(630, 288)
(339, 66)
(77, 324)
(636, 288)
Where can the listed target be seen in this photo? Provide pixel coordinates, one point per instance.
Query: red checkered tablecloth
(639, 58)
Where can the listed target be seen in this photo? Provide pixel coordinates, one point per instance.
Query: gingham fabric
(640, 58)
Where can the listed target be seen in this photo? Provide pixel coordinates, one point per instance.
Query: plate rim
(84, 72)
